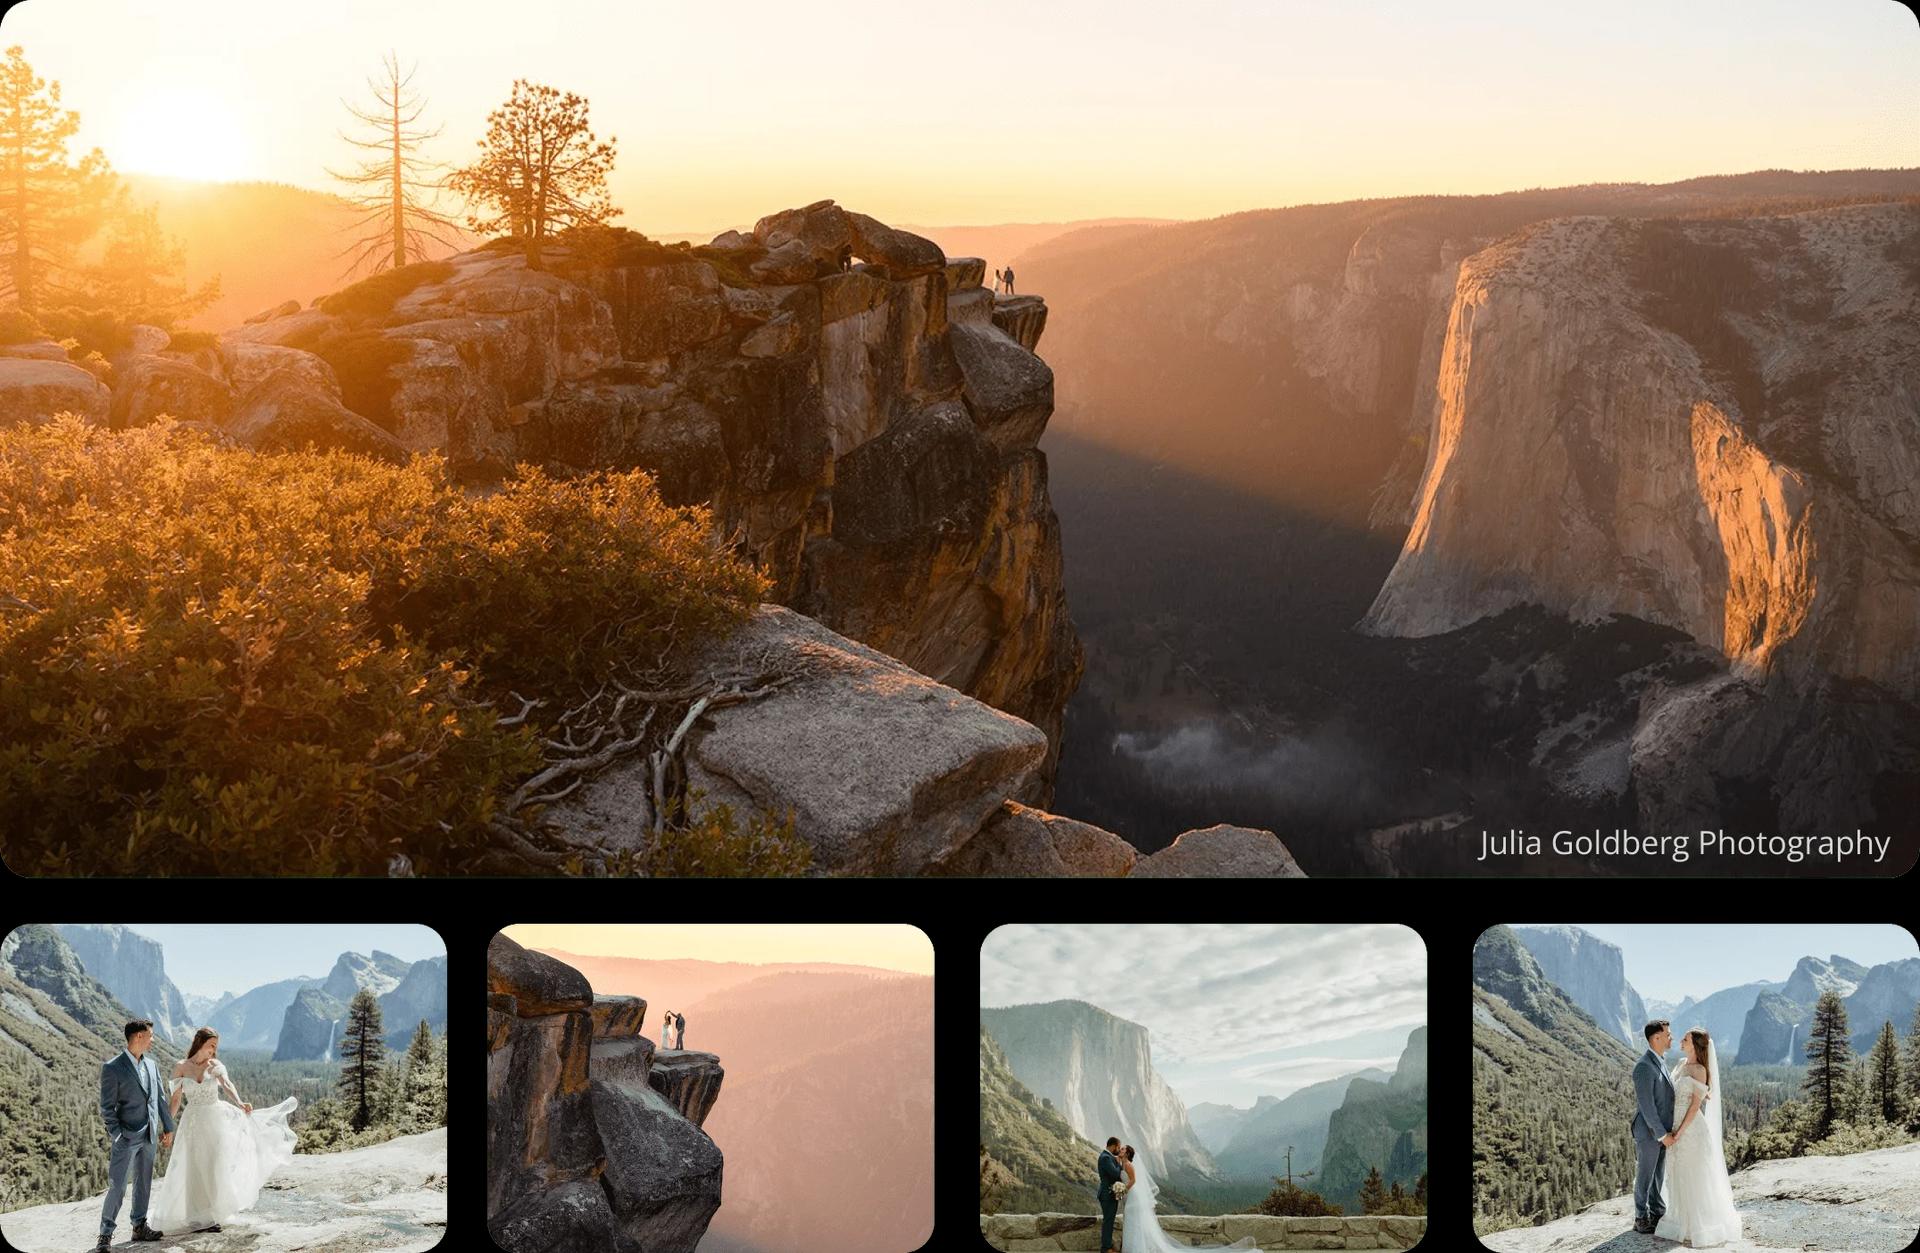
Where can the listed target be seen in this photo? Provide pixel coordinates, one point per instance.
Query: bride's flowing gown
(1699, 1196)
(222, 1156)
(1142, 1233)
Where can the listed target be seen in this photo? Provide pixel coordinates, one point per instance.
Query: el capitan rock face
(582, 1153)
(1608, 440)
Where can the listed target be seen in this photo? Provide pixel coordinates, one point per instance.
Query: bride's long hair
(200, 1037)
(1700, 1045)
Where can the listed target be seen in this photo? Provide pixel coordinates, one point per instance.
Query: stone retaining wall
(1080, 1233)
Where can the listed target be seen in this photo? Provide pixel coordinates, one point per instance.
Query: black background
(957, 915)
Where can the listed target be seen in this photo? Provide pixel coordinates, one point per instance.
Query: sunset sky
(1006, 110)
(880, 945)
(1232, 1012)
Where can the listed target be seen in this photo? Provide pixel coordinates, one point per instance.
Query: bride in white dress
(1141, 1232)
(222, 1153)
(1700, 1208)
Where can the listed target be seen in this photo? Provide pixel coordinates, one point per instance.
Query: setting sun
(182, 132)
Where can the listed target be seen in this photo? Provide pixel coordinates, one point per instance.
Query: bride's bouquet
(1119, 1188)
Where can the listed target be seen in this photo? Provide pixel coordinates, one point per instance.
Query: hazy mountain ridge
(1379, 1125)
(133, 968)
(409, 993)
(1257, 1148)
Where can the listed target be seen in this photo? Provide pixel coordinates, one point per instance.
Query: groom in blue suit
(1652, 1127)
(135, 1111)
(1110, 1174)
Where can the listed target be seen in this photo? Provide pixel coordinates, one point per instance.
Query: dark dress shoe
(147, 1235)
(215, 1227)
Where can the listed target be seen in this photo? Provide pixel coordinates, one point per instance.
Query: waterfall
(1791, 1032)
(333, 1032)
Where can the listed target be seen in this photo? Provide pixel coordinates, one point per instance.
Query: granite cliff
(859, 410)
(593, 1134)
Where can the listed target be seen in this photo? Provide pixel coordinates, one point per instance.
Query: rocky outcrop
(582, 1154)
(35, 389)
(1862, 1202)
(689, 1081)
(1022, 842)
(1046, 1232)
(1221, 852)
(882, 771)
(386, 1198)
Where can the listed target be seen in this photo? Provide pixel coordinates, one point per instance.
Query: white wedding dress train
(1700, 1211)
(222, 1156)
(1141, 1232)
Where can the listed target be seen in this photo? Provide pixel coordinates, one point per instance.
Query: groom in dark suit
(1110, 1174)
(1652, 1127)
(135, 1111)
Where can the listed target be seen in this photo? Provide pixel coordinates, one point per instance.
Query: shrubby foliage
(218, 661)
(409, 1097)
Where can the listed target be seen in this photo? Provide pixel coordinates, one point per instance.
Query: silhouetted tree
(394, 184)
(540, 169)
(1913, 1072)
(137, 276)
(49, 203)
(1827, 1055)
(362, 1057)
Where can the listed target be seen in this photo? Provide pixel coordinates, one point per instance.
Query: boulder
(287, 412)
(1221, 852)
(573, 1216)
(538, 984)
(791, 262)
(1022, 842)
(286, 308)
(964, 273)
(884, 770)
(297, 328)
(733, 241)
(823, 231)
(33, 390)
(149, 387)
(897, 254)
(248, 364)
(36, 350)
(662, 1173)
(628, 1061)
(1022, 318)
(1008, 390)
(618, 1017)
(690, 1081)
(143, 340)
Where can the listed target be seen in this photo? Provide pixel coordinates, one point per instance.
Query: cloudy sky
(1234, 1012)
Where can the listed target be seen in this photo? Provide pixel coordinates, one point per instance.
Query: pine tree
(540, 169)
(1420, 1192)
(1912, 1074)
(49, 203)
(362, 1056)
(395, 187)
(136, 277)
(422, 1104)
(1828, 1054)
(1884, 1086)
(1373, 1192)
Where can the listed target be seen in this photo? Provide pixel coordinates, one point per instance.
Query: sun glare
(183, 133)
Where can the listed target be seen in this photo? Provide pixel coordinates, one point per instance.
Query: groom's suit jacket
(127, 1108)
(1110, 1174)
(1653, 1099)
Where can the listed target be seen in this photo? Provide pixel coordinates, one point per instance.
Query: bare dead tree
(396, 187)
